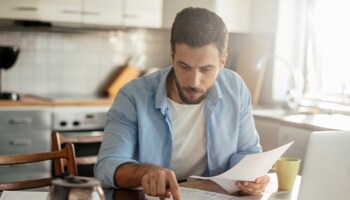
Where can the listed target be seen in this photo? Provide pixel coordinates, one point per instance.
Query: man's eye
(185, 67)
(205, 69)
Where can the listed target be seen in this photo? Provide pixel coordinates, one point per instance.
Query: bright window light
(328, 53)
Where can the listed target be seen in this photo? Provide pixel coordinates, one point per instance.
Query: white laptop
(326, 173)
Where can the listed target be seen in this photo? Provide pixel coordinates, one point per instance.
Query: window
(327, 69)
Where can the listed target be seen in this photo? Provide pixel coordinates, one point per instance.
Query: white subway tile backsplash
(77, 63)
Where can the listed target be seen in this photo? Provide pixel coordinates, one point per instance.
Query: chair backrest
(66, 153)
(58, 140)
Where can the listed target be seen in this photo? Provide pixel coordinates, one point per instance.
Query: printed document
(249, 168)
(194, 194)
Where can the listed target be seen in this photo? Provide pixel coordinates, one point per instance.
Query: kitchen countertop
(318, 121)
(27, 100)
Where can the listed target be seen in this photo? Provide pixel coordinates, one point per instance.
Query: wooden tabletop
(126, 194)
(271, 191)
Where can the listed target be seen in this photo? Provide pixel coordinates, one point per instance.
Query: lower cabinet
(274, 134)
(300, 137)
(268, 132)
(25, 131)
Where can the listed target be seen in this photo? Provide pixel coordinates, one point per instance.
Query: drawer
(28, 142)
(25, 171)
(23, 120)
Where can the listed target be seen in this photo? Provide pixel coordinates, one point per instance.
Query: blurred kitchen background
(65, 53)
(292, 54)
(286, 51)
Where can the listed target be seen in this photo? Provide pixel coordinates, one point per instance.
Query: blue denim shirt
(139, 128)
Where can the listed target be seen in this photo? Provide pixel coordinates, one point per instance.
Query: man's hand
(155, 180)
(160, 182)
(253, 188)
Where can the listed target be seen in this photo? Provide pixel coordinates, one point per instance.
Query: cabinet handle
(21, 142)
(21, 120)
(131, 16)
(24, 8)
(71, 12)
(91, 13)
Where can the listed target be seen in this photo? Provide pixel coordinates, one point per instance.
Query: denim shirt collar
(161, 95)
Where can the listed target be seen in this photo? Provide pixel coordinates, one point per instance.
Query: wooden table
(271, 192)
(123, 194)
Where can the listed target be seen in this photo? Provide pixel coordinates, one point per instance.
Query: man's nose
(195, 78)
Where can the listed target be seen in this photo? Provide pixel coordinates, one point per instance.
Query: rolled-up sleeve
(119, 141)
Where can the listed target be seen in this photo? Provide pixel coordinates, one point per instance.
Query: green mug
(287, 169)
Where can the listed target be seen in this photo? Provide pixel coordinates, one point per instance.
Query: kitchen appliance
(75, 187)
(81, 121)
(8, 57)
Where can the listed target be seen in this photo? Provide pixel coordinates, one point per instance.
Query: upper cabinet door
(172, 7)
(140, 13)
(19, 9)
(235, 13)
(103, 12)
(61, 10)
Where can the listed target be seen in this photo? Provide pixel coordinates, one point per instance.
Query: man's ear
(223, 59)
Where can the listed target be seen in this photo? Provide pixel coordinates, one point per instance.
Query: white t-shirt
(189, 139)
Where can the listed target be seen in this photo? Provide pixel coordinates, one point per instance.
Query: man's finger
(161, 188)
(153, 188)
(173, 186)
(145, 185)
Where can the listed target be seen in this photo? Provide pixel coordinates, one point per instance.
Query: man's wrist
(129, 175)
(123, 174)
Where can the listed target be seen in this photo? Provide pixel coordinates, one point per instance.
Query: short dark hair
(197, 27)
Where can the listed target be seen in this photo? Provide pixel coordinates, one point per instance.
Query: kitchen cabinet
(61, 10)
(138, 13)
(23, 131)
(268, 131)
(94, 12)
(235, 13)
(19, 9)
(300, 136)
(130, 13)
(171, 7)
(102, 12)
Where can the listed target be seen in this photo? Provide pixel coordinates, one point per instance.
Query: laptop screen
(326, 173)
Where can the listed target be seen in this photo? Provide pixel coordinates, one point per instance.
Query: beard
(181, 92)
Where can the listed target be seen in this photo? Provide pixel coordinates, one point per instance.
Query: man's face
(195, 71)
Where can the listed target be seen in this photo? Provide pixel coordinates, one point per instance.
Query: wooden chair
(66, 153)
(58, 140)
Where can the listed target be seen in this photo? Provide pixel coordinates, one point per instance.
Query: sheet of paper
(248, 169)
(194, 194)
(20, 195)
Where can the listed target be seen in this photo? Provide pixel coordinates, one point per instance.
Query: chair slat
(66, 153)
(21, 185)
(59, 139)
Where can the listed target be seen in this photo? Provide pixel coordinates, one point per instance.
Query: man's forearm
(129, 175)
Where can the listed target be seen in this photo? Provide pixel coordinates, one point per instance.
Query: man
(193, 118)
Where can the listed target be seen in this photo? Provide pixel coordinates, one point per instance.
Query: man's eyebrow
(183, 63)
(205, 66)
